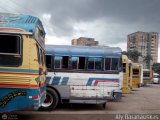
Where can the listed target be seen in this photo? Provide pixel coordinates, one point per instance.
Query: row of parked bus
(35, 76)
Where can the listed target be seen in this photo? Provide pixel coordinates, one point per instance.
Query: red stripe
(19, 73)
(97, 81)
(19, 85)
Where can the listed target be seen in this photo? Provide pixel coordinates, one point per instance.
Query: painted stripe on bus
(56, 80)
(89, 83)
(48, 79)
(64, 80)
(18, 70)
(18, 85)
(97, 81)
(18, 73)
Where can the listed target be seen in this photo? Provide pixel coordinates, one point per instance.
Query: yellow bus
(125, 88)
(130, 74)
(147, 76)
(136, 75)
(22, 62)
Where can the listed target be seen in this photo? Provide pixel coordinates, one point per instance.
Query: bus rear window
(146, 74)
(9, 44)
(10, 50)
(135, 71)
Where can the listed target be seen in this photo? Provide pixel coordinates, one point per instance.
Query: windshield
(10, 50)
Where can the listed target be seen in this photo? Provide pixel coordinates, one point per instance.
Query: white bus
(80, 74)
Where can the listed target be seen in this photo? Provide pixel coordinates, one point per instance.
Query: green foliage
(147, 59)
(132, 55)
(156, 68)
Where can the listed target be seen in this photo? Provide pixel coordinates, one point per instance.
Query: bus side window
(114, 64)
(57, 62)
(107, 63)
(129, 67)
(74, 62)
(82, 61)
(98, 63)
(49, 61)
(124, 67)
(94, 63)
(90, 63)
(65, 61)
(38, 54)
(41, 57)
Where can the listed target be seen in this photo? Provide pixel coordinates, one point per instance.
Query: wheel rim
(48, 101)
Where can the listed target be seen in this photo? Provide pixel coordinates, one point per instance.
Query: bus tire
(103, 106)
(117, 96)
(51, 100)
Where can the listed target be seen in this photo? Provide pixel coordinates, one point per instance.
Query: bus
(130, 73)
(22, 62)
(125, 89)
(82, 74)
(147, 76)
(155, 78)
(136, 75)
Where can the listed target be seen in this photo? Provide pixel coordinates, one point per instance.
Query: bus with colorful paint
(147, 76)
(137, 75)
(22, 62)
(126, 85)
(82, 74)
(130, 73)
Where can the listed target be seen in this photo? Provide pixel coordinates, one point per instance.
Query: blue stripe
(90, 80)
(56, 80)
(48, 79)
(18, 102)
(18, 70)
(64, 80)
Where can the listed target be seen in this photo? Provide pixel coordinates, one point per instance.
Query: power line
(36, 13)
(11, 9)
(21, 8)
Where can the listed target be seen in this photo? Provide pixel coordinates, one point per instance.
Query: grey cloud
(132, 15)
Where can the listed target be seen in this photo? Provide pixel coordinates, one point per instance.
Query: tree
(125, 53)
(147, 59)
(156, 68)
(132, 55)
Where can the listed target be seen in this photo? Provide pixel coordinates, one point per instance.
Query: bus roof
(86, 51)
(25, 22)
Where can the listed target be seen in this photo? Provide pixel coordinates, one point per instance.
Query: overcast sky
(108, 21)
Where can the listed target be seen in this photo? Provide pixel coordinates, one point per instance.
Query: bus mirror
(46, 72)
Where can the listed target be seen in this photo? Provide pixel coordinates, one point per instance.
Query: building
(146, 43)
(84, 41)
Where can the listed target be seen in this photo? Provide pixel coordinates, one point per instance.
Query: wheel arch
(52, 87)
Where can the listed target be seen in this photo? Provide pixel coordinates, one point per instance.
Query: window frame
(76, 61)
(20, 45)
(111, 62)
(94, 62)
(51, 61)
(60, 62)
(134, 72)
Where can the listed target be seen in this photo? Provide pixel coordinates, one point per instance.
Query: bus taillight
(40, 71)
(35, 97)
